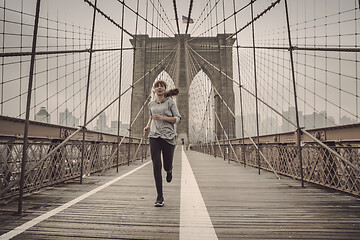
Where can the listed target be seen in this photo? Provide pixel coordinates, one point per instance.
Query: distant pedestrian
(163, 116)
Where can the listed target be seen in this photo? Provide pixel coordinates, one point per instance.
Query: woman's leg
(168, 155)
(155, 149)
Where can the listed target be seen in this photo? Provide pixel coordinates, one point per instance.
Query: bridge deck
(241, 205)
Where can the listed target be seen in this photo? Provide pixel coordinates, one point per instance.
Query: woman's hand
(157, 117)
(161, 117)
(145, 129)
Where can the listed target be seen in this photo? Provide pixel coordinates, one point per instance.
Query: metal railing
(64, 163)
(319, 165)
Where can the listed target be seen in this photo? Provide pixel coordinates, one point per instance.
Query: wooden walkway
(240, 204)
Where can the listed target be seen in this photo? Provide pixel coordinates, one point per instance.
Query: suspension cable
(107, 17)
(240, 92)
(227, 137)
(253, 142)
(166, 22)
(120, 86)
(122, 2)
(232, 113)
(206, 17)
(176, 17)
(230, 78)
(205, 6)
(18, 54)
(224, 20)
(130, 87)
(142, 110)
(280, 114)
(189, 15)
(81, 128)
(296, 48)
(255, 18)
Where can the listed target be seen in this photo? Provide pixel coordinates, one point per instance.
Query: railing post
(243, 154)
(87, 95)
(298, 130)
(129, 148)
(215, 127)
(224, 149)
(26, 129)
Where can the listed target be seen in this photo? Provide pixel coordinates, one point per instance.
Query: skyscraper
(42, 115)
(67, 119)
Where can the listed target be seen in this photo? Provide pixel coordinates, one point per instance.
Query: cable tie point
(292, 48)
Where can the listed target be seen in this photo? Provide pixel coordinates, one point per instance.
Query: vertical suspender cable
(47, 59)
(226, 84)
(87, 94)
(217, 100)
(216, 18)
(256, 92)
(298, 130)
(189, 15)
(132, 92)
(66, 73)
(145, 89)
(120, 82)
(26, 130)
(215, 125)
(73, 68)
(241, 100)
(21, 49)
(57, 68)
(356, 60)
(2, 62)
(177, 18)
(218, 103)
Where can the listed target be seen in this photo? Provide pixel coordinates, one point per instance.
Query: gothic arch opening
(201, 109)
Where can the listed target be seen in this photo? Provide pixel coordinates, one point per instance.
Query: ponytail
(172, 92)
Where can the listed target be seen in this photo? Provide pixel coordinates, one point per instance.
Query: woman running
(163, 116)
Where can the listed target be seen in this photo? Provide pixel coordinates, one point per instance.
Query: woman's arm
(160, 117)
(147, 126)
(175, 112)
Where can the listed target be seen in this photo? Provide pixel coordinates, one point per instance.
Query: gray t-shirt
(161, 128)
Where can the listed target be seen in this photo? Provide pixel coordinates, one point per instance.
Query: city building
(67, 119)
(101, 123)
(123, 128)
(42, 115)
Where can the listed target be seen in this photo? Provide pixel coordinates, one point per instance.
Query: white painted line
(195, 222)
(51, 213)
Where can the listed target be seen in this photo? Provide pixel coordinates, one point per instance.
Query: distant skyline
(66, 118)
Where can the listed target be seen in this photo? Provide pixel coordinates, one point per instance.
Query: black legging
(158, 145)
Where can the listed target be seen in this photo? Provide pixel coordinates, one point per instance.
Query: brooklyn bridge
(268, 146)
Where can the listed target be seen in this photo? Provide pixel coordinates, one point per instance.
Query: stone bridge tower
(158, 53)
